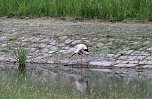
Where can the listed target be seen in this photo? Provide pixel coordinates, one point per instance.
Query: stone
(143, 62)
(110, 55)
(146, 42)
(62, 51)
(106, 70)
(102, 70)
(68, 41)
(140, 57)
(147, 66)
(76, 42)
(42, 45)
(46, 50)
(33, 49)
(119, 65)
(35, 40)
(61, 45)
(32, 45)
(71, 50)
(117, 55)
(50, 52)
(129, 52)
(149, 58)
(63, 37)
(131, 65)
(118, 61)
(149, 49)
(25, 39)
(48, 46)
(3, 38)
(123, 57)
(45, 40)
(101, 63)
(33, 24)
(125, 62)
(136, 53)
(54, 48)
(86, 41)
(145, 53)
(133, 62)
(149, 62)
(132, 58)
(53, 42)
(100, 44)
(4, 45)
(66, 48)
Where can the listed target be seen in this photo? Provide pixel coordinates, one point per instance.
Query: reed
(21, 56)
(100, 9)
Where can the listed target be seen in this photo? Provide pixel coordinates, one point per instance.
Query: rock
(102, 70)
(149, 49)
(129, 52)
(61, 44)
(50, 52)
(3, 38)
(25, 39)
(45, 40)
(42, 45)
(33, 49)
(119, 65)
(147, 66)
(101, 63)
(130, 65)
(4, 45)
(86, 41)
(34, 25)
(146, 42)
(76, 42)
(46, 50)
(62, 51)
(63, 37)
(71, 50)
(110, 55)
(35, 40)
(100, 44)
(54, 48)
(53, 42)
(68, 41)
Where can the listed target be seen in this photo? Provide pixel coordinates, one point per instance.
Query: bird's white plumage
(80, 47)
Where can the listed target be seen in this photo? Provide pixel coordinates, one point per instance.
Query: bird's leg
(81, 64)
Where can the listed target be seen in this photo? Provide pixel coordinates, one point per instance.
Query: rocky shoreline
(52, 40)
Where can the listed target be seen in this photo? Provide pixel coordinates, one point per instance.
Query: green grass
(21, 56)
(101, 9)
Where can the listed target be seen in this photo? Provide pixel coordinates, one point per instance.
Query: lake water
(44, 81)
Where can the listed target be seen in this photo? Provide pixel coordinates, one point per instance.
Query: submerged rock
(101, 63)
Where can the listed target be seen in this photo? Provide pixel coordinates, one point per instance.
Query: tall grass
(101, 9)
(21, 56)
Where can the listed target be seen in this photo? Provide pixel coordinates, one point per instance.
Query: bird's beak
(72, 55)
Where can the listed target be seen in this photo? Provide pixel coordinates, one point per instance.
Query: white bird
(81, 50)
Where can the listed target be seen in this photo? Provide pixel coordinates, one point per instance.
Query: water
(59, 82)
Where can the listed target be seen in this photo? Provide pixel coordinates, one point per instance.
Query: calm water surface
(94, 83)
